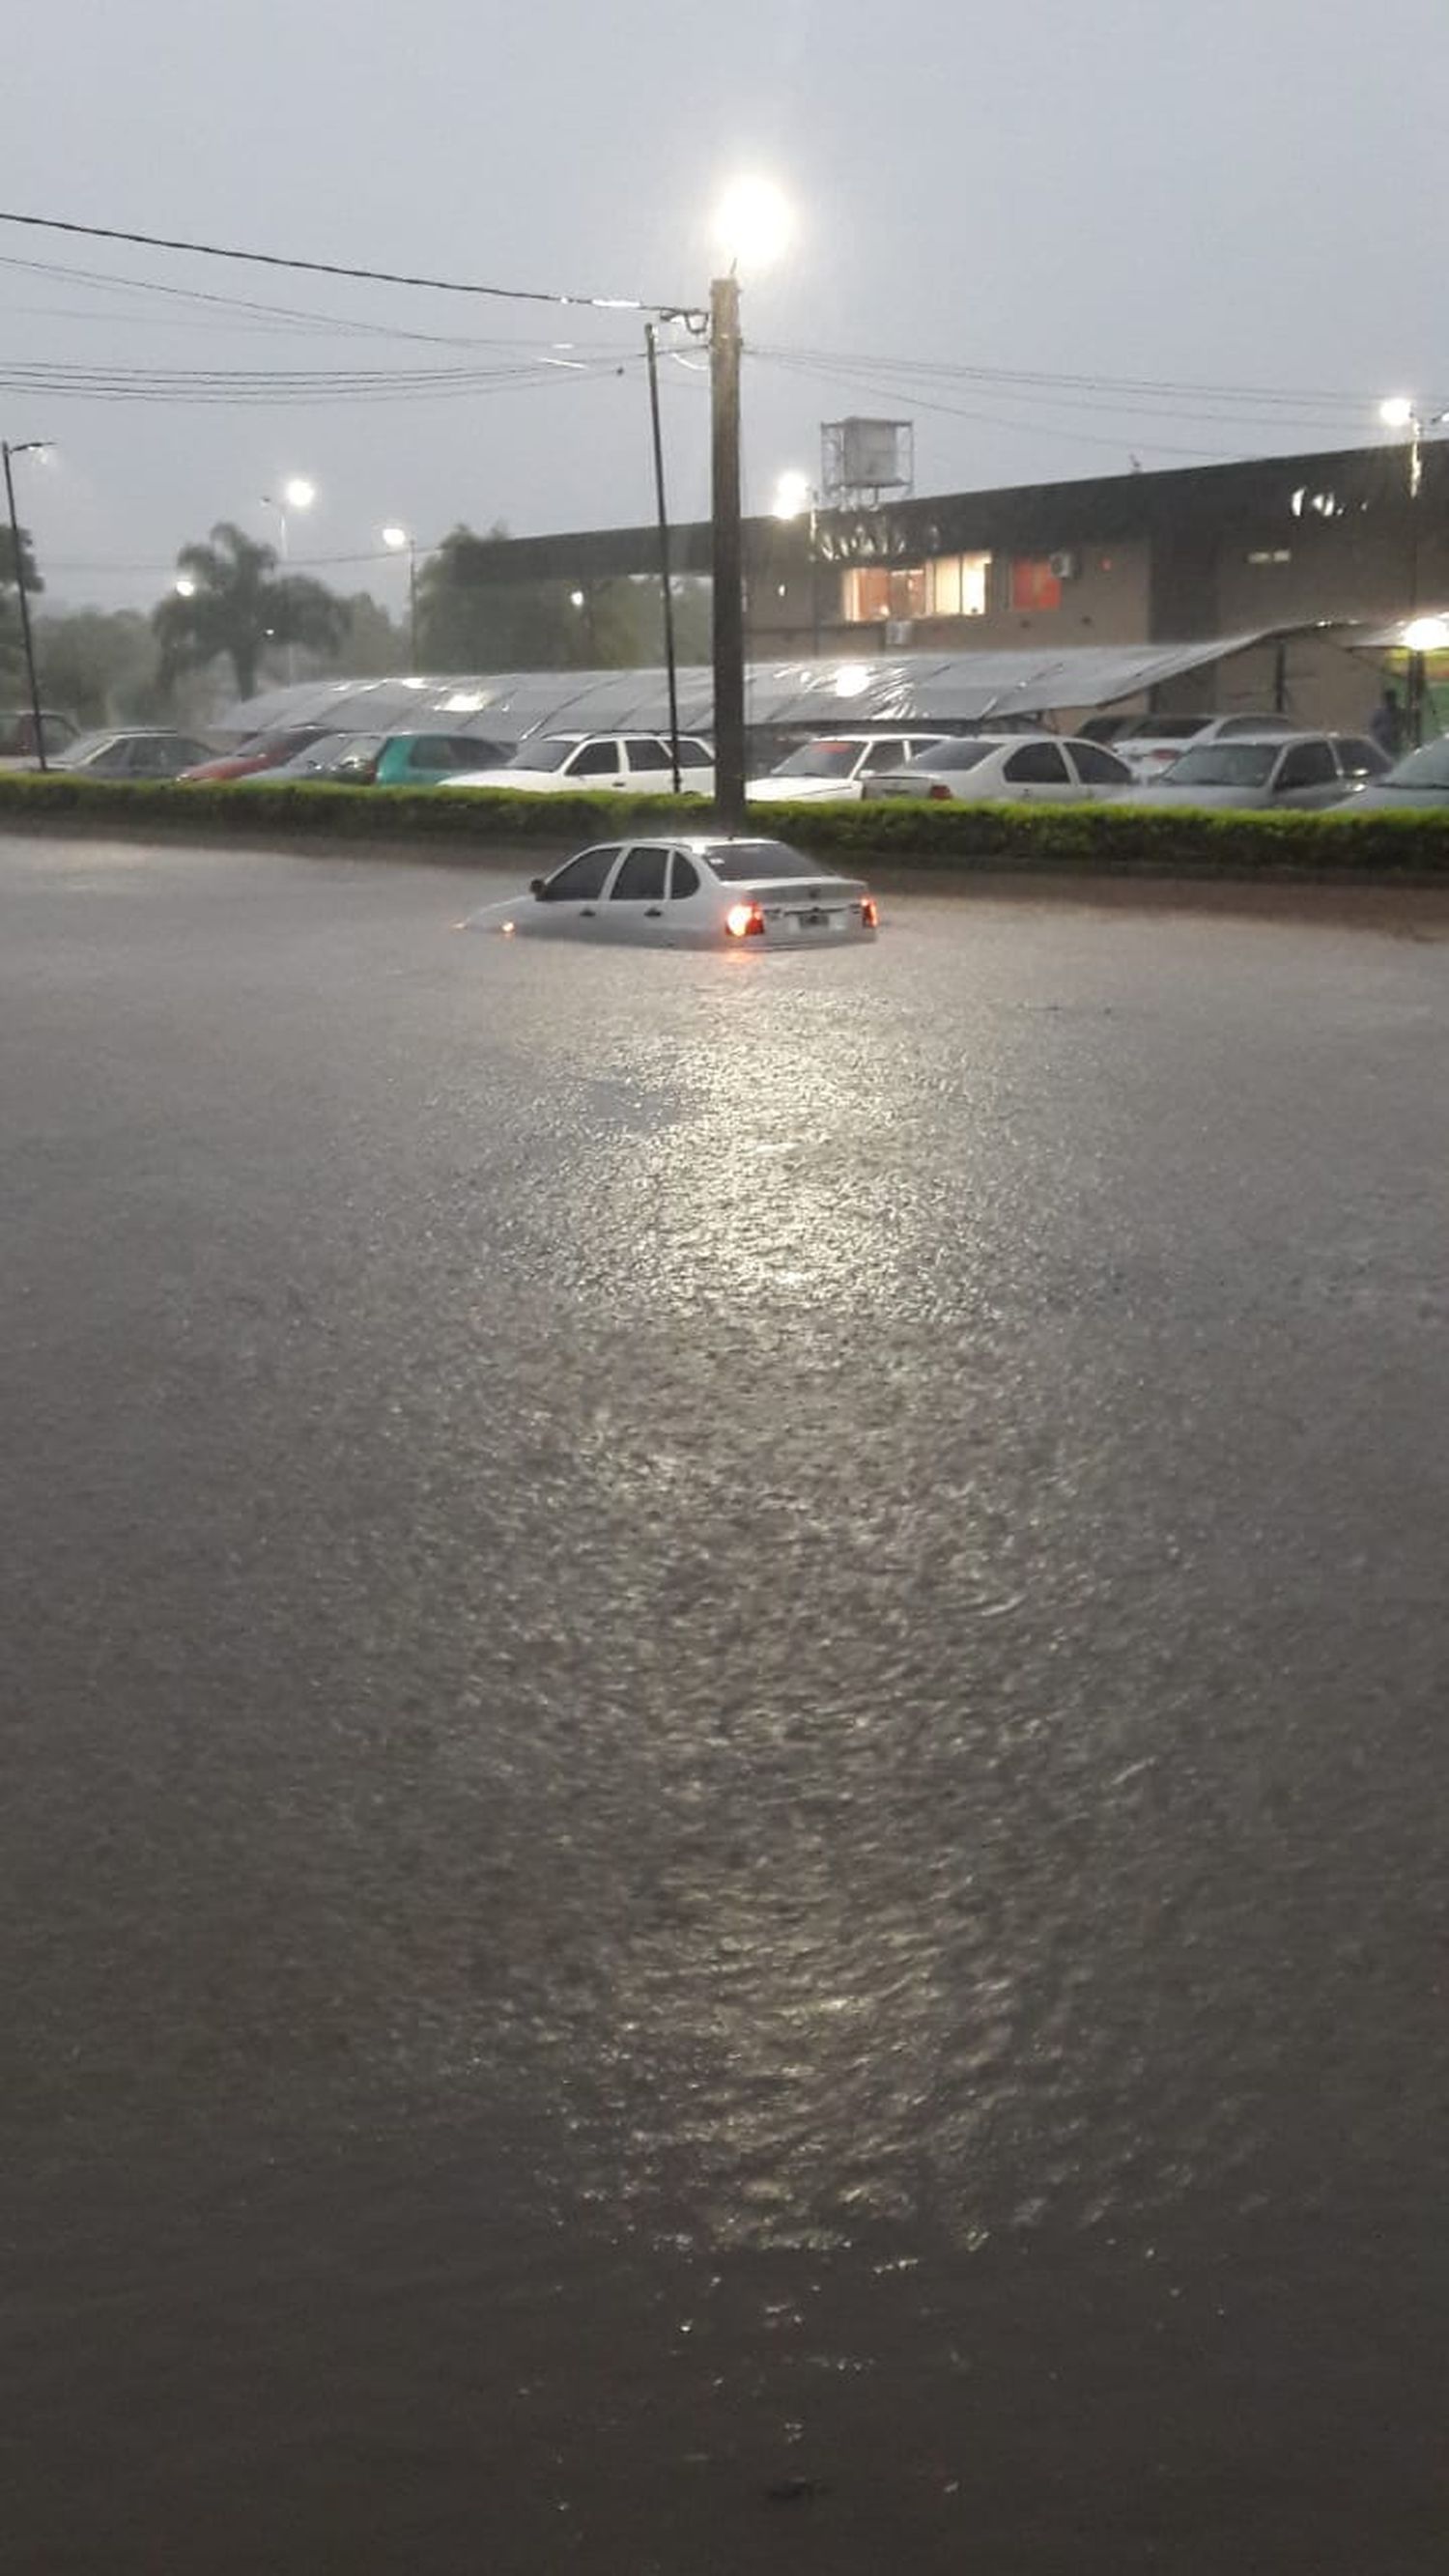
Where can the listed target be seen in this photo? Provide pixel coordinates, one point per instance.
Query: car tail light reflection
(745, 921)
(870, 914)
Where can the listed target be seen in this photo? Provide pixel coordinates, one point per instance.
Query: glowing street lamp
(793, 494)
(754, 224)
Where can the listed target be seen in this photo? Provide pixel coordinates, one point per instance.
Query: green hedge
(1104, 839)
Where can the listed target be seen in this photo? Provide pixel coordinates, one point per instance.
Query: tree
(237, 605)
(473, 620)
(12, 659)
(29, 574)
(100, 666)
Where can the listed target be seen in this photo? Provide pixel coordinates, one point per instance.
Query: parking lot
(723, 1734)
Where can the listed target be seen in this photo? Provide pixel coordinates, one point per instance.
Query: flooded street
(723, 1713)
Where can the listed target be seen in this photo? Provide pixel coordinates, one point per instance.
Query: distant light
(1397, 412)
(1427, 634)
(184, 586)
(792, 494)
(753, 223)
(397, 538)
(299, 494)
(576, 599)
(852, 679)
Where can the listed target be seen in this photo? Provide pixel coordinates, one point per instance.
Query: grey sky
(1246, 193)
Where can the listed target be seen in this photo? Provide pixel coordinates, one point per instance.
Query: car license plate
(819, 920)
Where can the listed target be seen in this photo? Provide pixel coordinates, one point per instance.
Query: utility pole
(666, 591)
(728, 555)
(29, 447)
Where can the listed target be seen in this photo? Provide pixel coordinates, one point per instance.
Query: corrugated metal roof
(869, 688)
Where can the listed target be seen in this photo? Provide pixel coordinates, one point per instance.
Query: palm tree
(235, 603)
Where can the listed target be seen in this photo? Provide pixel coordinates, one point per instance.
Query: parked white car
(727, 893)
(1152, 743)
(559, 763)
(1031, 768)
(834, 770)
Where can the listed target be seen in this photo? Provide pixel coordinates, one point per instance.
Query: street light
(753, 224)
(795, 495)
(395, 538)
(26, 447)
(297, 494)
(1400, 411)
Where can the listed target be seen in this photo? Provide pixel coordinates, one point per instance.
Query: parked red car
(264, 751)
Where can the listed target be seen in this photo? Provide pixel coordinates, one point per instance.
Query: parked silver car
(1305, 771)
(1416, 783)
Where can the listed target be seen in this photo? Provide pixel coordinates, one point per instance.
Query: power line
(335, 268)
(289, 317)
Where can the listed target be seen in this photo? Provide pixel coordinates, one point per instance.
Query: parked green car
(429, 759)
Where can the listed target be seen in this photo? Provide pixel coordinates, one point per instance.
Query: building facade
(1336, 541)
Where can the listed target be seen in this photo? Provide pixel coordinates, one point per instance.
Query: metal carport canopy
(945, 688)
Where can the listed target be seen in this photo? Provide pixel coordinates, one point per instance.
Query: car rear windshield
(1426, 768)
(741, 862)
(547, 752)
(1225, 764)
(821, 760)
(959, 754)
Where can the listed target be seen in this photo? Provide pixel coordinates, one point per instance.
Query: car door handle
(587, 913)
(655, 912)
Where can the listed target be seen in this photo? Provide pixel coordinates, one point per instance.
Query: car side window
(594, 760)
(1360, 758)
(645, 753)
(683, 878)
(641, 878)
(1308, 764)
(431, 751)
(1037, 764)
(696, 755)
(580, 880)
(885, 755)
(1100, 768)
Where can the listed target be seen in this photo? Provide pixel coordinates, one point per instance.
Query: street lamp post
(753, 226)
(297, 494)
(795, 497)
(395, 539)
(27, 447)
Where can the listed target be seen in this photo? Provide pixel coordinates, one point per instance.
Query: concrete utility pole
(728, 556)
(28, 447)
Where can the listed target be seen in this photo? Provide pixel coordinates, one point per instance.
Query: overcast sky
(1230, 193)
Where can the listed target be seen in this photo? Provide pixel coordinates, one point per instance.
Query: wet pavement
(724, 1738)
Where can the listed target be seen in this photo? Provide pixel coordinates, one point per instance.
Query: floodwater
(724, 1738)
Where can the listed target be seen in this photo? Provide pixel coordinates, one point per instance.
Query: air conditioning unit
(1065, 566)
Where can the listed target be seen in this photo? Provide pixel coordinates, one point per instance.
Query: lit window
(958, 585)
(873, 593)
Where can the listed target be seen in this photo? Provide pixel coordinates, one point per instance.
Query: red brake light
(869, 914)
(745, 921)
(940, 788)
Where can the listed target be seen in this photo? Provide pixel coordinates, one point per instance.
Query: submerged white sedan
(689, 893)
